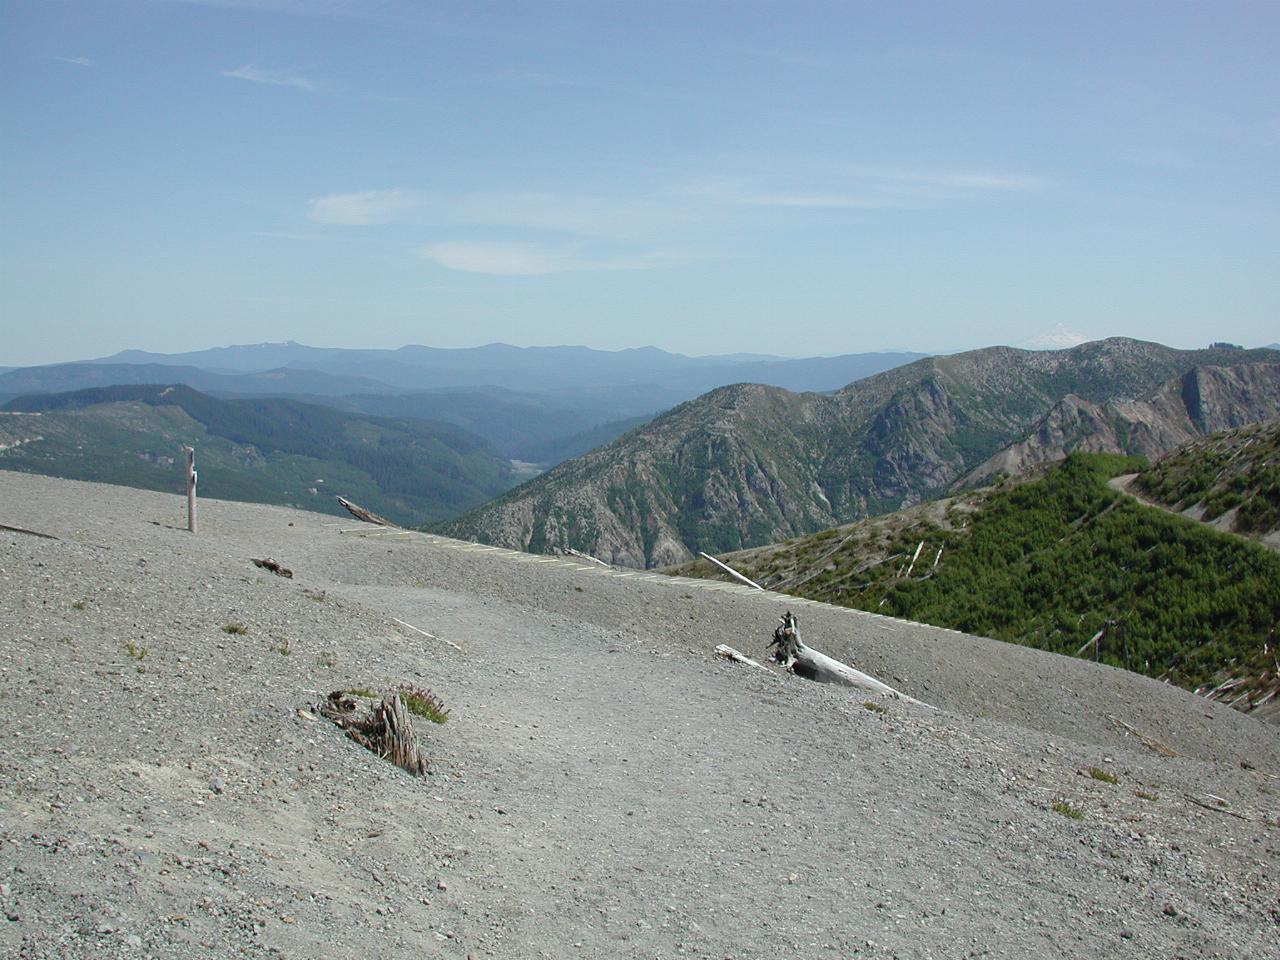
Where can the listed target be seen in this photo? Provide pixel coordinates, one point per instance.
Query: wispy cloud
(800, 201)
(592, 216)
(580, 215)
(366, 207)
(987, 182)
(861, 188)
(532, 260)
(274, 77)
(78, 61)
(308, 237)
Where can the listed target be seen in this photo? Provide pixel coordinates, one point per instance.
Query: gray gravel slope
(604, 787)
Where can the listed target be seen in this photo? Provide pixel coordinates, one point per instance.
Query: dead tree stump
(384, 729)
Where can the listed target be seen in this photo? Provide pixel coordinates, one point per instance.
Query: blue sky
(707, 177)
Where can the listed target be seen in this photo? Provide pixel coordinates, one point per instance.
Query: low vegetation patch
(136, 651)
(1067, 810)
(423, 703)
(875, 707)
(1097, 773)
(235, 628)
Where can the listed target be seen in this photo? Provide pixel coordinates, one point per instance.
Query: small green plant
(423, 702)
(1097, 773)
(78, 605)
(283, 649)
(418, 700)
(135, 650)
(1067, 810)
(1144, 795)
(235, 628)
(327, 658)
(875, 707)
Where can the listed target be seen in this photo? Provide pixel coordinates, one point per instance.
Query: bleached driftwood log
(729, 570)
(429, 635)
(726, 651)
(360, 513)
(806, 662)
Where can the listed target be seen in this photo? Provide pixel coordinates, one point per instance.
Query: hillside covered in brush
(265, 450)
(750, 464)
(1230, 479)
(1054, 563)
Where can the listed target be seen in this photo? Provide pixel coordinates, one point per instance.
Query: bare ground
(604, 786)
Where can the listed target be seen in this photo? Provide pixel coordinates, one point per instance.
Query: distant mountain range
(269, 450)
(748, 464)
(537, 370)
(536, 404)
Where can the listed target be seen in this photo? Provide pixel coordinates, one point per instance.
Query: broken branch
(729, 653)
(430, 635)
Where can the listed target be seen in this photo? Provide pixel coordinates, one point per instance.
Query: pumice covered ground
(604, 787)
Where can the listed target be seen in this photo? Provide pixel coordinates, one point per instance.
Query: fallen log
(1151, 743)
(360, 513)
(729, 570)
(31, 533)
(806, 662)
(726, 651)
(431, 636)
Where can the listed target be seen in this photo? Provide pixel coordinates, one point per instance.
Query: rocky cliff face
(1204, 400)
(748, 464)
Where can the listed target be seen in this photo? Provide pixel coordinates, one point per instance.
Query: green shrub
(1067, 810)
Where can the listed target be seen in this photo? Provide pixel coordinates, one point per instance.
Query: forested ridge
(1236, 472)
(1053, 563)
(273, 450)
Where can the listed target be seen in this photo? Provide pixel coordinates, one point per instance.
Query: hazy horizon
(822, 178)
(1025, 345)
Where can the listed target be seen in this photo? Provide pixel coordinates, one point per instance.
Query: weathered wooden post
(191, 487)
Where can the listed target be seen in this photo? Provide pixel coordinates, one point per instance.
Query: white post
(191, 488)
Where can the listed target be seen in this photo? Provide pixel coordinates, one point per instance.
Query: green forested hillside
(266, 450)
(1050, 563)
(1236, 473)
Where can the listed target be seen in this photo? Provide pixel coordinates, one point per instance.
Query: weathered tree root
(384, 729)
(269, 564)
